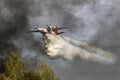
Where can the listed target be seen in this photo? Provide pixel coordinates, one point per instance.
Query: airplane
(49, 29)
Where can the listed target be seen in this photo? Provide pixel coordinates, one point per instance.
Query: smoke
(60, 46)
(13, 21)
(92, 21)
(14, 26)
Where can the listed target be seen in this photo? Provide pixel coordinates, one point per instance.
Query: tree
(30, 75)
(3, 77)
(46, 73)
(14, 67)
(15, 70)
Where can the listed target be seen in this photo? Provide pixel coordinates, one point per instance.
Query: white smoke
(64, 47)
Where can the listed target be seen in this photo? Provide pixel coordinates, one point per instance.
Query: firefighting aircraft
(49, 29)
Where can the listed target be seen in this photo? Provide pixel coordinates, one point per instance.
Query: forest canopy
(14, 69)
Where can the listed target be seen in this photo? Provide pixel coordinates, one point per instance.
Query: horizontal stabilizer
(62, 28)
(61, 32)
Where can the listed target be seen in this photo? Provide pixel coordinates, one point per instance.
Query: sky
(96, 22)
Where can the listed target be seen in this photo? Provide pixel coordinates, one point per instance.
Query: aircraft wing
(62, 28)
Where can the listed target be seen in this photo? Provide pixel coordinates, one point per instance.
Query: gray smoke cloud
(14, 26)
(92, 21)
(13, 21)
